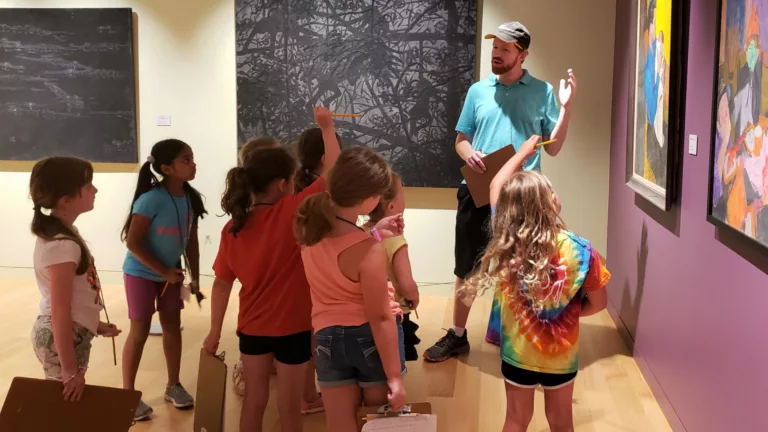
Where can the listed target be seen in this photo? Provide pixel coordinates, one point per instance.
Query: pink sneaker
(313, 407)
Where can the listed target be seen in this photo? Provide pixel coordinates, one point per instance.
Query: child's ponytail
(314, 219)
(359, 174)
(236, 199)
(262, 168)
(147, 180)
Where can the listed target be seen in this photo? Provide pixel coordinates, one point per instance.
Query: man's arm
(560, 132)
(471, 157)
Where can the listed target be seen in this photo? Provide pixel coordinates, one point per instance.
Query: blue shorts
(348, 355)
(401, 340)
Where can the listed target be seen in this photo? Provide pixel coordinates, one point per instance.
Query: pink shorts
(144, 297)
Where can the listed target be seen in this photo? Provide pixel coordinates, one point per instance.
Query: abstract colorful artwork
(654, 106)
(738, 191)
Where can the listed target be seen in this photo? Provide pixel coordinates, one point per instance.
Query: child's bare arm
(373, 281)
(324, 119)
(404, 276)
(512, 166)
(594, 302)
(62, 283)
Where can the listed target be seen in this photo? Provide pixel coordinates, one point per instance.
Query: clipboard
(368, 414)
(211, 392)
(38, 405)
(479, 185)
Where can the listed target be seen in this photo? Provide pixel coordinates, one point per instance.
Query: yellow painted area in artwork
(647, 171)
(664, 23)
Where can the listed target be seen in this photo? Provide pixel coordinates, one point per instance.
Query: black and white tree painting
(67, 84)
(404, 65)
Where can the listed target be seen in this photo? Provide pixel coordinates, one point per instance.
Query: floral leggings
(45, 349)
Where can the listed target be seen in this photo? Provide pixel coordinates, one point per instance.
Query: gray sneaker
(143, 411)
(179, 397)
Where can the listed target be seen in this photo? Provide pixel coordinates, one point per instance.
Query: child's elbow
(379, 317)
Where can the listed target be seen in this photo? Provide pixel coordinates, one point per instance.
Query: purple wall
(696, 309)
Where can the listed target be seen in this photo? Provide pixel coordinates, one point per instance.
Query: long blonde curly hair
(524, 238)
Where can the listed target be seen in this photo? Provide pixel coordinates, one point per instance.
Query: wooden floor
(466, 394)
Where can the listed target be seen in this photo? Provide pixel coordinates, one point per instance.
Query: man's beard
(502, 68)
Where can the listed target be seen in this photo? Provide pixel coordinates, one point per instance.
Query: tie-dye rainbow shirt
(548, 340)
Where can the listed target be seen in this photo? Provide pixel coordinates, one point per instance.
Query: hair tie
(150, 159)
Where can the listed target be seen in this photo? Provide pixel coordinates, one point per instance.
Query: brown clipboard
(364, 412)
(211, 392)
(479, 185)
(38, 405)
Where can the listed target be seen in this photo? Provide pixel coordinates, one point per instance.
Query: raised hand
(529, 147)
(323, 117)
(567, 92)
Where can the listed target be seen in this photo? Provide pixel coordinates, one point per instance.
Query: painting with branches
(403, 65)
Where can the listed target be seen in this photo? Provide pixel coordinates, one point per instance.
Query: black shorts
(473, 232)
(293, 349)
(530, 379)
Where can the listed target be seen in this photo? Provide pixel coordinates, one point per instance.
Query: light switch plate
(163, 120)
(693, 144)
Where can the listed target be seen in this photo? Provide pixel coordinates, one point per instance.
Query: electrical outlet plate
(693, 144)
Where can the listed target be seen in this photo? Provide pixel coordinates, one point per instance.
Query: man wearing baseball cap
(506, 109)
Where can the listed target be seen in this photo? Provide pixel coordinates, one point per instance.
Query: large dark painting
(738, 192)
(403, 65)
(67, 84)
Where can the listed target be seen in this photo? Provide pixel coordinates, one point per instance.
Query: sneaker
(179, 397)
(448, 346)
(143, 411)
(238, 380)
(313, 407)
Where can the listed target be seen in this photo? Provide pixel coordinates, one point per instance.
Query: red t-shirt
(265, 257)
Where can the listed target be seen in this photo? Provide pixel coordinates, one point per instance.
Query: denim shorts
(401, 339)
(348, 355)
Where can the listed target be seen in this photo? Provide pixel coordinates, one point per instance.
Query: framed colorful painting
(738, 174)
(656, 96)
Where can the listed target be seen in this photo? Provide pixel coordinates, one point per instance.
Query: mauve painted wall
(699, 315)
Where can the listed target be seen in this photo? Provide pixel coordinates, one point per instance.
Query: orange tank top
(336, 300)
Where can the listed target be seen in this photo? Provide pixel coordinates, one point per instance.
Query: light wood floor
(466, 394)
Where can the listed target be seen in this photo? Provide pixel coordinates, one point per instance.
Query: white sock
(459, 331)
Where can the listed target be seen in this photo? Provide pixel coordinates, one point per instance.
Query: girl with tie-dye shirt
(544, 278)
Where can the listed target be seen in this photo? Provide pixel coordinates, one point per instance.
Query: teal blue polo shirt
(495, 115)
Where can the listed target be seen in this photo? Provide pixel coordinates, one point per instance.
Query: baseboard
(645, 369)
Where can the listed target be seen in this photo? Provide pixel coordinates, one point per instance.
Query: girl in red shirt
(258, 248)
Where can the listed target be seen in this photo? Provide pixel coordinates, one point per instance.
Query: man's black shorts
(472, 233)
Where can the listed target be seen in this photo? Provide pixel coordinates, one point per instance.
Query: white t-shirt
(86, 300)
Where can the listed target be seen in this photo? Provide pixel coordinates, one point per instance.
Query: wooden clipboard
(479, 185)
(365, 412)
(38, 405)
(211, 392)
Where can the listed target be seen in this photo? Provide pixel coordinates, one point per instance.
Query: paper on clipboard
(414, 423)
(479, 185)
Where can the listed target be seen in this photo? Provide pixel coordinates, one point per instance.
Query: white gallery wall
(186, 69)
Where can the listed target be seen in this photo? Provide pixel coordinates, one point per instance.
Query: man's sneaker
(313, 407)
(448, 346)
(142, 412)
(179, 397)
